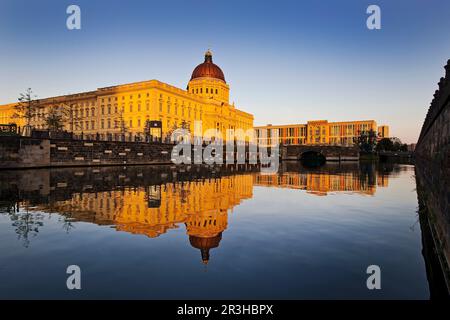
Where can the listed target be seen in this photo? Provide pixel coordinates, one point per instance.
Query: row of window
(128, 124)
(109, 99)
(207, 90)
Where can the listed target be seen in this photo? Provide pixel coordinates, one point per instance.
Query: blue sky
(285, 61)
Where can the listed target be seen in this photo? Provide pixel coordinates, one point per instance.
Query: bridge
(328, 152)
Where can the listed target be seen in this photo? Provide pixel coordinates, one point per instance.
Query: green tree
(385, 144)
(55, 119)
(367, 141)
(119, 123)
(26, 107)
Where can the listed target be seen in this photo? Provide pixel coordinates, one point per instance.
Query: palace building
(319, 132)
(124, 111)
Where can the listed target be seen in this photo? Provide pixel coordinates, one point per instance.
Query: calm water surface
(199, 232)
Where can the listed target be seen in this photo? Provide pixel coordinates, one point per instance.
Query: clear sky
(285, 61)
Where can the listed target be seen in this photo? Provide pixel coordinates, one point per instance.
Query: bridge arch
(312, 157)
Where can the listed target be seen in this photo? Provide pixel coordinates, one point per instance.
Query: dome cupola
(208, 69)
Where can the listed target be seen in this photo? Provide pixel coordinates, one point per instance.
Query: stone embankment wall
(434, 140)
(17, 152)
(22, 152)
(432, 155)
(88, 153)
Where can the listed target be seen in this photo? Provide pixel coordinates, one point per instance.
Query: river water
(164, 232)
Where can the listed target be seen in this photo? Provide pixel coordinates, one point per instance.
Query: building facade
(318, 132)
(123, 111)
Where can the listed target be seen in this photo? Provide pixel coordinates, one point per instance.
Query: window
(109, 123)
(103, 124)
(92, 125)
(148, 106)
(103, 110)
(139, 107)
(131, 108)
(109, 109)
(206, 90)
(216, 91)
(201, 89)
(131, 123)
(196, 90)
(139, 123)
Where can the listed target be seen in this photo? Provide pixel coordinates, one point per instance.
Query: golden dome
(208, 69)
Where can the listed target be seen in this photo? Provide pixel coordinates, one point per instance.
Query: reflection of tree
(26, 224)
(67, 224)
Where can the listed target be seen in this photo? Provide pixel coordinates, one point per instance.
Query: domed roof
(208, 69)
(204, 244)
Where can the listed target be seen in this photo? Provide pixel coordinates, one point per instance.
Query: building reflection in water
(361, 179)
(154, 199)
